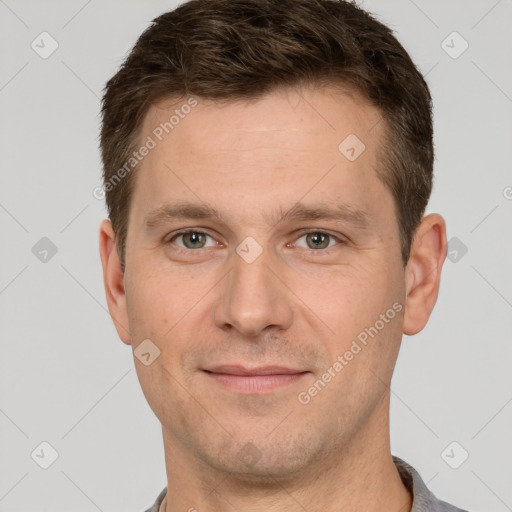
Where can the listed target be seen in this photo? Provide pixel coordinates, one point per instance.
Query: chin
(262, 461)
(264, 472)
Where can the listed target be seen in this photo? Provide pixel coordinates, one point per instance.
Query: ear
(113, 280)
(423, 272)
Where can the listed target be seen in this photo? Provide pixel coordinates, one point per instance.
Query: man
(267, 165)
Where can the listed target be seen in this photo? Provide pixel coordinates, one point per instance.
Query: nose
(254, 297)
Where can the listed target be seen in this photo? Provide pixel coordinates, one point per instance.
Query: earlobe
(113, 280)
(423, 272)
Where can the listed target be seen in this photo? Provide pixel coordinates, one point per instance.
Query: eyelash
(184, 232)
(302, 233)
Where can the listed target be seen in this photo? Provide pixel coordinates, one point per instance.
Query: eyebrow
(180, 210)
(299, 212)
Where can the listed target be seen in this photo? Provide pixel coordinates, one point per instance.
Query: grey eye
(317, 240)
(192, 239)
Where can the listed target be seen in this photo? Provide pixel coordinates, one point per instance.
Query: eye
(192, 239)
(318, 240)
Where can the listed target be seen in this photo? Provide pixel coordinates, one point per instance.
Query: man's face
(256, 291)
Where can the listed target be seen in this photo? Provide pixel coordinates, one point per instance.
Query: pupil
(195, 238)
(319, 240)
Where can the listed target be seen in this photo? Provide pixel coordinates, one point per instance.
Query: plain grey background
(65, 377)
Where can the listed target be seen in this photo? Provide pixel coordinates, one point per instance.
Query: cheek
(139, 302)
(172, 311)
(345, 297)
(350, 303)
(158, 301)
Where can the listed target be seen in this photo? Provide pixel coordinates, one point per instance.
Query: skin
(295, 305)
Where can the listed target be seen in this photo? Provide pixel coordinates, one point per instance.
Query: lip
(254, 380)
(260, 370)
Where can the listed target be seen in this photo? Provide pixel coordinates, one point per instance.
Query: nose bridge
(253, 298)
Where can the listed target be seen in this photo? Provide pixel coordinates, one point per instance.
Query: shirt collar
(423, 499)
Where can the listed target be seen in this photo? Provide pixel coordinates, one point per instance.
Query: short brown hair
(236, 49)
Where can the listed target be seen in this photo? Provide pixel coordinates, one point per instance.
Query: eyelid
(306, 231)
(297, 235)
(170, 238)
(339, 238)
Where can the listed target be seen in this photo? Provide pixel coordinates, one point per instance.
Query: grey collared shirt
(423, 499)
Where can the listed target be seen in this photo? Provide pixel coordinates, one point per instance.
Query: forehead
(262, 152)
(320, 116)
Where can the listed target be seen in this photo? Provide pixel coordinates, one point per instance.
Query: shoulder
(423, 499)
(158, 502)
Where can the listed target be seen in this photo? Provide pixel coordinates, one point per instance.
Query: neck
(360, 475)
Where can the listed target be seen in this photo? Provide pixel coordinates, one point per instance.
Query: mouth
(254, 380)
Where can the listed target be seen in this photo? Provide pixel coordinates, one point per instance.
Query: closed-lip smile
(254, 380)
